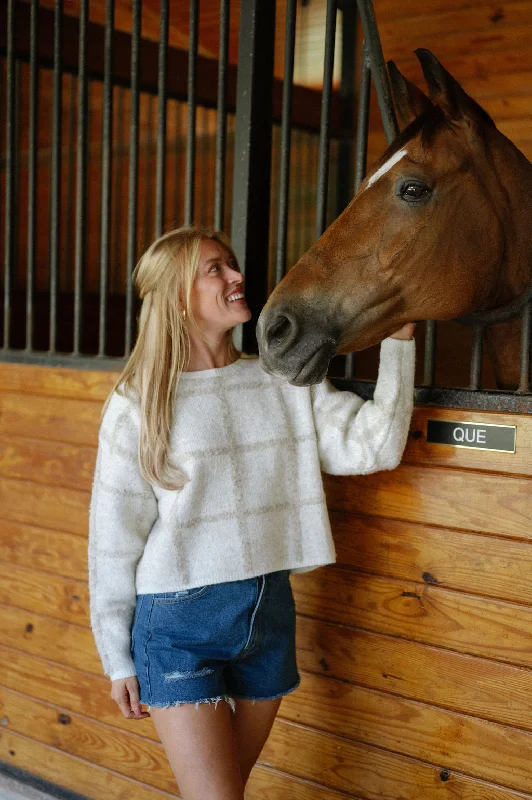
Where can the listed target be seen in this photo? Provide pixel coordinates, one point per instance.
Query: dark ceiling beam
(306, 102)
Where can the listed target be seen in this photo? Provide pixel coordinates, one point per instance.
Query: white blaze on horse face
(385, 167)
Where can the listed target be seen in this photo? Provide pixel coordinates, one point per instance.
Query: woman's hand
(125, 692)
(406, 332)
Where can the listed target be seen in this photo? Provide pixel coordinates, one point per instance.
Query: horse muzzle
(294, 348)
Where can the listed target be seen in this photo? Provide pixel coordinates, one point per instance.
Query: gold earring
(184, 313)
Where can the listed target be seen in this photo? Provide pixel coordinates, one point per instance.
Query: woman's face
(217, 297)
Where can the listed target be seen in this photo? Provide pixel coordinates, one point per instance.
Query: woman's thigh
(252, 723)
(201, 747)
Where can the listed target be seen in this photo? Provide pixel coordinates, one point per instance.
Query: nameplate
(476, 435)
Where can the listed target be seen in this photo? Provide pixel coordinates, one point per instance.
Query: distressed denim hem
(272, 697)
(229, 700)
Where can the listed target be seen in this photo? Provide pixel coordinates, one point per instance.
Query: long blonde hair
(163, 280)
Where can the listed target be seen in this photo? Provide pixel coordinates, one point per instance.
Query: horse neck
(514, 178)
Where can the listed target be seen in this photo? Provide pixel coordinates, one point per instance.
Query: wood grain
(56, 382)
(56, 419)
(50, 463)
(468, 562)
(51, 595)
(463, 743)
(419, 451)
(36, 504)
(451, 498)
(471, 685)
(45, 550)
(418, 612)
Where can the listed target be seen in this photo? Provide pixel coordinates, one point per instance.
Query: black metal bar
(65, 282)
(511, 402)
(429, 364)
(361, 155)
(178, 150)
(221, 128)
(9, 236)
(253, 151)
(133, 172)
(526, 336)
(378, 68)
(32, 173)
(81, 176)
(116, 281)
(55, 174)
(347, 100)
(191, 112)
(161, 119)
(148, 174)
(323, 156)
(106, 174)
(476, 358)
(286, 130)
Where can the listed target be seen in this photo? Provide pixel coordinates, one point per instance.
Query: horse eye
(414, 191)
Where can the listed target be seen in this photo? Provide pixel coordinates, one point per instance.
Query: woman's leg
(201, 748)
(252, 723)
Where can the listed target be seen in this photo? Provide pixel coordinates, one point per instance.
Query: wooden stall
(415, 649)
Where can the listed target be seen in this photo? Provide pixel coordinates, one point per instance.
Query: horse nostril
(280, 332)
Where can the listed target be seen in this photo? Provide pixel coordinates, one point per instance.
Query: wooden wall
(414, 649)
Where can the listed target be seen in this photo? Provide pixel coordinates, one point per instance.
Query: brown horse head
(441, 227)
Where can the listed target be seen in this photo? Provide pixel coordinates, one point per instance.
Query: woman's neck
(208, 353)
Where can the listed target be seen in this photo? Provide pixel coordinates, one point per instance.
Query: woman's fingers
(125, 693)
(134, 699)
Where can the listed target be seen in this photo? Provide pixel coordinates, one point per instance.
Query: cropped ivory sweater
(252, 448)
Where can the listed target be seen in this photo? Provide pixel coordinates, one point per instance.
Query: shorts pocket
(173, 598)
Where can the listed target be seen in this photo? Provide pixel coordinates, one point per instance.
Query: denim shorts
(216, 642)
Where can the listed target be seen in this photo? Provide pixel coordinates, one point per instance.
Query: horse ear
(409, 100)
(445, 91)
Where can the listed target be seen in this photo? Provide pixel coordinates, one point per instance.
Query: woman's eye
(214, 268)
(414, 191)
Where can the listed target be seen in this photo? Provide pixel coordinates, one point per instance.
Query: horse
(441, 228)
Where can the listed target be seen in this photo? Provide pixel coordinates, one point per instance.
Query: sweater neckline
(229, 369)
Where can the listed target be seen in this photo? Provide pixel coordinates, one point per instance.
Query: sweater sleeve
(357, 437)
(122, 512)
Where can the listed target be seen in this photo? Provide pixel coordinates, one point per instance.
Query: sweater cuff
(126, 669)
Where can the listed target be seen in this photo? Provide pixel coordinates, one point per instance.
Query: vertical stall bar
(361, 154)
(81, 176)
(347, 100)
(253, 153)
(32, 173)
(55, 174)
(526, 336)
(133, 172)
(378, 68)
(178, 151)
(161, 119)
(191, 113)
(221, 122)
(286, 130)
(66, 282)
(429, 363)
(323, 154)
(106, 173)
(148, 174)
(10, 170)
(475, 375)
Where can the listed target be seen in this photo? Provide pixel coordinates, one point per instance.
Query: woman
(207, 494)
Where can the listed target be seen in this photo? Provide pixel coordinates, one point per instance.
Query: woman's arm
(357, 437)
(122, 512)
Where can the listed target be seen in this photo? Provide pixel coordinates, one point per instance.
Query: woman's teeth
(233, 297)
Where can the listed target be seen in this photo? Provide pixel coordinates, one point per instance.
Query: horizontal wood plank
(480, 626)
(332, 761)
(419, 451)
(56, 381)
(76, 774)
(469, 562)
(50, 463)
(51, 595)
(56, 419)
(473, 18)
(373, 773)
(46, 550)
(450, 498)
(388, 9)
(463, 743)
(429, 733)
(57, 508)
(486, 689)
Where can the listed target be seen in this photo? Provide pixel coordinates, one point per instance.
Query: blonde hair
(163, 278)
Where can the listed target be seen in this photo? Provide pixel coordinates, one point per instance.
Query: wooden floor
(415, 649)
